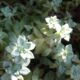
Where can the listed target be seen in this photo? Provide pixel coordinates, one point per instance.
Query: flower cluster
(20, 53)
(62, 31)
(63, 54)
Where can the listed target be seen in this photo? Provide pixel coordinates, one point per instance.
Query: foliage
(36, 40)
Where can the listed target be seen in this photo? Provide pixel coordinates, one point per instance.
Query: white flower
(63, 32)
(53, 22)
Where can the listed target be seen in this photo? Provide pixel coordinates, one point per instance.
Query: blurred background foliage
(28, 17)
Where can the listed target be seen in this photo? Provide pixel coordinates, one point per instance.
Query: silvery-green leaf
(27, 54)
(16, 67)
(27, 45)
(56, 4)
(68, 54)
(36, 74)
(26, 62)
(75, 59)
(23, 43)
(71, 23)
(5, 77)
(21, 40)
(68, 60)
(68, 48)
(61, 69)
(32, 45)
(7, 64)
(24, 71)
(15, 52)
(12, 37)
(59, 48)
(17, 59)
(9, 48)
(75, 72)
(23, 62)
(7, 12)
(3, 35)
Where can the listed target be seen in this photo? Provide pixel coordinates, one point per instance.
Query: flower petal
(67, 37)
(66, 29)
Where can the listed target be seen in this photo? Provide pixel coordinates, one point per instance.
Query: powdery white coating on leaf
(24, 71)
(32, 45)
(64, 54)
(15, 52)
(27, 54)
(23, 62)
(5, 77)
(75, 72)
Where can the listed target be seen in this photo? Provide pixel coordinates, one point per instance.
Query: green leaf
(5, 77)
(7, 12)
(28, 77)
(75, 72)
(18, 27)
(61, 69)
(3, 40)
(49, 76)
(56, 4)
(35, 75)
(46, 61)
